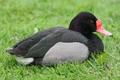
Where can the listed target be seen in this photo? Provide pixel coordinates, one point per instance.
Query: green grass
(19, 18)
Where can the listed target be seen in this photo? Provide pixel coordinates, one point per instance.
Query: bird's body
(60, 45)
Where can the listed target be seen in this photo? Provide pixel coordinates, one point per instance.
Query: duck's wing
(37, 37)
(22, 47)
(40, 49)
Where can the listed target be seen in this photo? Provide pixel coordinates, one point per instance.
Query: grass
(19, 18)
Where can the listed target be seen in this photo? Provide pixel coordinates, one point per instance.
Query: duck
(59, 45)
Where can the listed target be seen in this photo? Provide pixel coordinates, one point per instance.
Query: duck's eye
(91, 21)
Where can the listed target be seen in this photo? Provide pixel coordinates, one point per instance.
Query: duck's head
(86, 23)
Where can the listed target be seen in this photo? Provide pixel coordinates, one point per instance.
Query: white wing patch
(24, 61)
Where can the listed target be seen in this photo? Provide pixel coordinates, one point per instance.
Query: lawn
(20, 18)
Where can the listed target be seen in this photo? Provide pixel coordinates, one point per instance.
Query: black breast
(95, 44)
